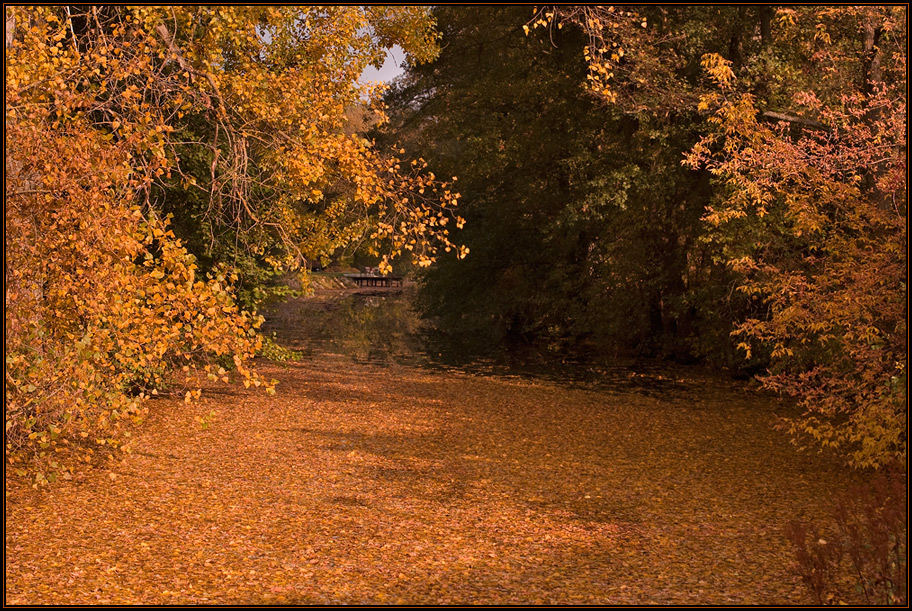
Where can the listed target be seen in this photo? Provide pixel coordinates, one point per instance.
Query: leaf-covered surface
(366, 484)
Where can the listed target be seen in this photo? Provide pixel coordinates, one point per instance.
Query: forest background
(715, 184)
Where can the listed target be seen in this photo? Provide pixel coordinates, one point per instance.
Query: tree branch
(166, 36)
(779, 116)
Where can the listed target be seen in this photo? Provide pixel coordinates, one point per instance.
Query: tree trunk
(10, 30)
(766, 21)
(734, 43)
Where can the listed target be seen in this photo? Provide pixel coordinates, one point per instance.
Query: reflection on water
(369, 326)
(382, 328)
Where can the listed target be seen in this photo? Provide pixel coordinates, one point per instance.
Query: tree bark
(734, 43)
(781, 116)
(872, 72)
(766, 21)
(10, 30)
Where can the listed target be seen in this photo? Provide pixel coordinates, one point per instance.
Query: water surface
(381, 327)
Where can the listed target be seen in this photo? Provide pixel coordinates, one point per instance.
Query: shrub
(865, 550)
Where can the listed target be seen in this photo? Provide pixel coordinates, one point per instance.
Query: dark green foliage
(583, 227)
(220, 239)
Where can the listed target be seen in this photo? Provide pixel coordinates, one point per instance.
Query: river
(381, 327)
(388, 468)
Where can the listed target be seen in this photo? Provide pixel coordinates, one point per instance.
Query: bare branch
(169, 41)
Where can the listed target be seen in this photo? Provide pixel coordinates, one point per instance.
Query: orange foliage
(103, 303)
(815, 219)
(94, 320)
(810, 204)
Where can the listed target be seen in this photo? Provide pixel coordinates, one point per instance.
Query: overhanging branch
(781, 116)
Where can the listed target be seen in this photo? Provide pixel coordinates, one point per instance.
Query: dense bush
(102, 302)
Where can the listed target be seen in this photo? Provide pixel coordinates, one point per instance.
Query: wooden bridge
(363, 280)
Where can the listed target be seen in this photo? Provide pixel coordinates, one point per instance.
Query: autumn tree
(309, 201)
(804, 132)
(826, 189)
(231, 117)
